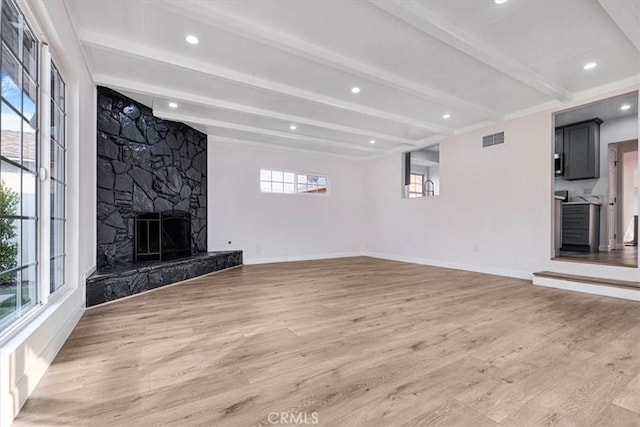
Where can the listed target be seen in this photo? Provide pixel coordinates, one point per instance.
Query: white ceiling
(264, 65)
(607, 109)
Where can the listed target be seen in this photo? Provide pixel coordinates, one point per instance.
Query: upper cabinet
(580, 145)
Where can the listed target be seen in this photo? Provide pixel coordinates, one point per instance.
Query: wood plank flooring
(625, 257)
(353, 342)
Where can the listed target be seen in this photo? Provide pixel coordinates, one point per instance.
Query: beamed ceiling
(262, 66)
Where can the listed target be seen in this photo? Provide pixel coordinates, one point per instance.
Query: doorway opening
(421, 172)
(596, 182)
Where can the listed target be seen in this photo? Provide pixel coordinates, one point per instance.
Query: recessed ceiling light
(192, 39)
(625, 107)
(446, 116)
(590, 65)
(500, 1)
(293, 127)
(355, 89)
(173, 105)
(372, 141)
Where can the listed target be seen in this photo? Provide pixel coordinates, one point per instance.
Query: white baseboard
(608, 291)
(518, 274)
(255, 261)
(25, 357)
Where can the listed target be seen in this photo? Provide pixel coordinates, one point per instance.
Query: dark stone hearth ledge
(109, 284)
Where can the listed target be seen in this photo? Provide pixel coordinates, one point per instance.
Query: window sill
(32, 321)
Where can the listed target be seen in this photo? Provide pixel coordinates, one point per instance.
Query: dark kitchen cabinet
(581, 149)
(580, 227)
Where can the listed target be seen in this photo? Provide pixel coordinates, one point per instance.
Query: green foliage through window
(8, 246)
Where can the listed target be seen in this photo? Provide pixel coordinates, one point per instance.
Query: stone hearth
(109, 284)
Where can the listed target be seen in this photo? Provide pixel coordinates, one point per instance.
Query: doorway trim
(613, 199)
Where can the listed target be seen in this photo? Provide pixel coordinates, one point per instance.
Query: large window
(58, 181)
(275, 181)
(18, 166)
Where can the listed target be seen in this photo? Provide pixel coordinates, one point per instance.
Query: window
(277, 181)
(18, 166)
(416, 185)
(274, 181)
(58, 181)
(312, 184)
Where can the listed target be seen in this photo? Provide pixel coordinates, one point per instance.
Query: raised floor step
(592, 285)
(588, 279)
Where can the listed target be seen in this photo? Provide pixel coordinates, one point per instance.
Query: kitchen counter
(580, 226)
(583, 203)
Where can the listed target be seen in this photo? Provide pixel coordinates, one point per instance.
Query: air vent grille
(494, 139)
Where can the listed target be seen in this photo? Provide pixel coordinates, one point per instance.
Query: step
(587, 284)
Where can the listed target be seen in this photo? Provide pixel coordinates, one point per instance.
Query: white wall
(617, 130)
(495, 208)
(273, 227)
(493, 204)
(25, 355)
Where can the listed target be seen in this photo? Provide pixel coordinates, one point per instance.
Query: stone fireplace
(145, 165)
(152, 202)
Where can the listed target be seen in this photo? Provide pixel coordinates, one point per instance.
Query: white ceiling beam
(626, 15)
(167, 115)
(421, 18)
(204, 101)
(285, 42)
(259, 144)
(162, 57)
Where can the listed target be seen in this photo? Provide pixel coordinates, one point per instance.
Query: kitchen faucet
(429, 190)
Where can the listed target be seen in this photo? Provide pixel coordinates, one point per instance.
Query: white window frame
(63, 136)
(295, 182)
(11, 328)
(45, 298)
(418, 194)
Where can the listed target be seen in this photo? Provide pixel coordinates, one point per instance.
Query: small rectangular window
(275, 181)
(416, 185)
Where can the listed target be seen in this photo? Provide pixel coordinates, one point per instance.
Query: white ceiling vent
(494, 139)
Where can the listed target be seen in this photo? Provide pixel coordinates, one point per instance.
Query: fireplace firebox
(162, 236)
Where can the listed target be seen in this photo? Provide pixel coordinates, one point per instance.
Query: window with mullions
(416, 185)
(274, 181)
(58, 180)
(18, 166)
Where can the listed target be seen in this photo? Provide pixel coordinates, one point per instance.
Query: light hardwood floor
(625, 257)
(359, 341)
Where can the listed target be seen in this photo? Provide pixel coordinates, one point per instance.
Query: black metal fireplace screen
(162, 236)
